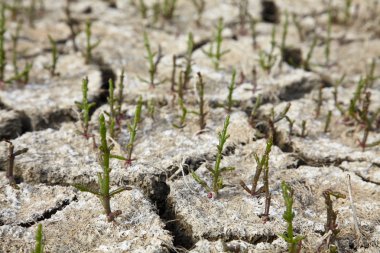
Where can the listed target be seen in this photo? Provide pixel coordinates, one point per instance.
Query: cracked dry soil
(167, 210)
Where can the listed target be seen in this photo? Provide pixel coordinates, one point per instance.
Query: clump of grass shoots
(216, 172)
(294, 242)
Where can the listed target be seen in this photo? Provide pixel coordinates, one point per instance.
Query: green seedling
(261, 163)
(143, 8)
(358, 112)
(300, 30)
(283, 38)
(103, 191)
(252, 26)
(112, 103)
(291, 124)
(328, 121)
(15, 9)
(72, 24)
(294, 242)
(200, 6)
(2, 41)
(255, 111)
(254, 79)
(120, 98)
(328, 35)
(39, 247)
(11, 161)
(262, 167)
(306, 62)
(303, 129)
(89, 46)
(156, 11)
(319, 101)
(370, 76)
(267, 60)
(181, 84)
(270, 122)
(188, 59)
(335, 94)
(168, 9)
(216, 172)
(15, 37)
(331, 224)
(231, 89)
(153, 63)
(183, 114)
(151, 107)
(22, 76)
(243, 14)
(200, 85)
(132, 128)
(54, 57)
(85, 108)
(347, 14)
(215, 54)
(174, 71)
(32, 13)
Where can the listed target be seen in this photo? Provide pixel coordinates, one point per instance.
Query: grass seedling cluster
(215, 52)
(216, 172)
(104, 192)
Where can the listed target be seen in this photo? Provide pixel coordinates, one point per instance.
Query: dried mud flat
(167, 210)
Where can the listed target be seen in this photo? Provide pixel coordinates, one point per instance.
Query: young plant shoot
(215, 54)
(85, 108)
(201, 92)
(133, 130)
(183, 115)
(54, 57)
(216, 172)
(111, 122)
(153, 63)
(294, 242)
(267, 60)
(104, 192)
(261, 164)
(2, 42)
(231, 89)
(39, 246)
(89, 47)
(11, 161)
